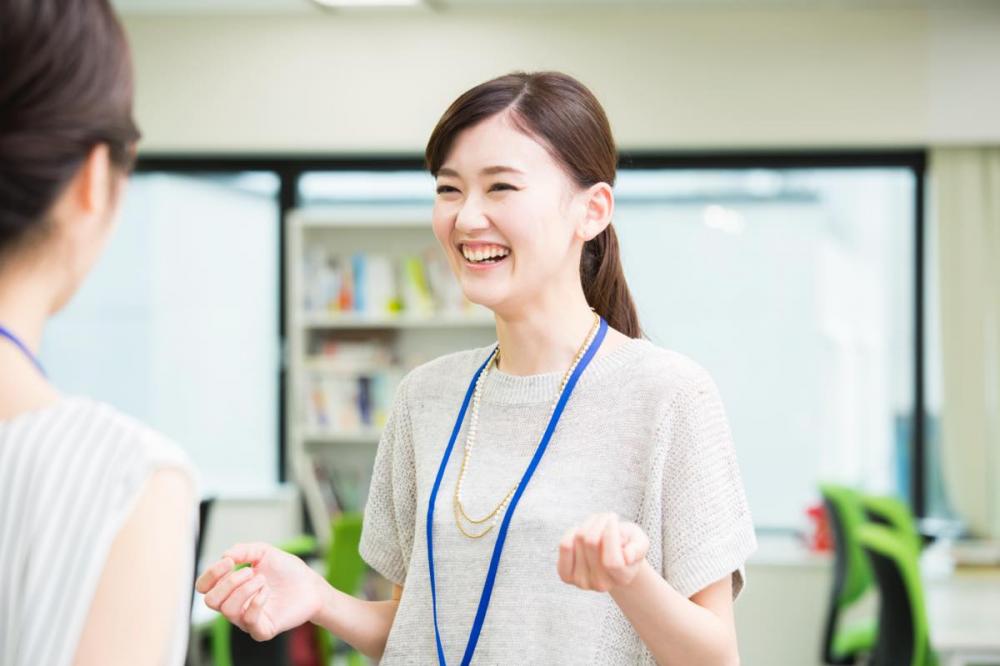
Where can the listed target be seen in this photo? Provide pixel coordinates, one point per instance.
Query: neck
(544, 338)
(26, 298)
(25, 303)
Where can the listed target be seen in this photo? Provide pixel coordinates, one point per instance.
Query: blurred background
(808, 205)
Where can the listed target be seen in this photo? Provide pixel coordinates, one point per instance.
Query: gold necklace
(494, 515)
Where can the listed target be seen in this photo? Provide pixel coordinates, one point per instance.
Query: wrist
(328, 602)
(640, 579)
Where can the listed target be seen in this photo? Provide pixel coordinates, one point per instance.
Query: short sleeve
(387, 530)
(707, 530)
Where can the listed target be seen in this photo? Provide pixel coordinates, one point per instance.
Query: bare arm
(678, 630)
(364, 625)
(609, 555)
(134, 612)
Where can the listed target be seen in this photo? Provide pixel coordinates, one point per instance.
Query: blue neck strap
(484, 599)
(7, 333)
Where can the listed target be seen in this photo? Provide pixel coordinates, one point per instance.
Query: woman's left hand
(602, 554)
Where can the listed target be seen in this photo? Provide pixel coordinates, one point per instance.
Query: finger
(207, 580)
(598, 576)
(259, 625)
(233, 606)
(215, 597)
(251, 553)
(580, 576)
(565, 564)
(611, 546)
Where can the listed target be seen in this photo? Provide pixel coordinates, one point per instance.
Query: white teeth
(483, 253)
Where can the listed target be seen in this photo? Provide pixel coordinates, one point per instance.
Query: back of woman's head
(65, 87)
(565, 117)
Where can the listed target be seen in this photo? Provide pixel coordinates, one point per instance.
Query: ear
(598, 201)
(83, 202)
(95, 180)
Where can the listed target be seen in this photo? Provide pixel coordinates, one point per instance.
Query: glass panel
(794, 289)
(178, 323)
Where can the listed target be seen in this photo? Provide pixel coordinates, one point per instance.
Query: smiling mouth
(484, 255)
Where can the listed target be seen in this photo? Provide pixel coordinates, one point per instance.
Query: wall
(670, 78)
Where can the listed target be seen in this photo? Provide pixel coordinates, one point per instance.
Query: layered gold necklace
(494, 516)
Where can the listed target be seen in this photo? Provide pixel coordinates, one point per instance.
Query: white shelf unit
(391, 230)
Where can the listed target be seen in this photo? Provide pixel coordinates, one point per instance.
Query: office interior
(808, 205)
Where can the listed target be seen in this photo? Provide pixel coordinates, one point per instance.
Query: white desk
(964, 616)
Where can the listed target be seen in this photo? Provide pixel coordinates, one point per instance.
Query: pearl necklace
(494, 516)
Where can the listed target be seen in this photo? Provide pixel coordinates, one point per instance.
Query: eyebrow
(488, 171)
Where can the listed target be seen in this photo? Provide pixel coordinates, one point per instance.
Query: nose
(471, 216)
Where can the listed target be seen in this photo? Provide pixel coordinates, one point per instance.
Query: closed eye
(502, 186)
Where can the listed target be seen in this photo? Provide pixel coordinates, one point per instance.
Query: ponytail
(604, 283)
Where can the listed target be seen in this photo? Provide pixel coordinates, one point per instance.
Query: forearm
(364, 625)
(675, 629)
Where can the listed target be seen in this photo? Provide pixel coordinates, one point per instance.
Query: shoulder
(129, 439)
(668, 374)
(92, 443)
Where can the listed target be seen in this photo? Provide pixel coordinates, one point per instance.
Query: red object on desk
(821, 539)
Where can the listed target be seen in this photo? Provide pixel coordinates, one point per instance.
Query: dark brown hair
(65, 87)
(562, 114)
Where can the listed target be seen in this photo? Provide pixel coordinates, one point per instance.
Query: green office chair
(852, 577)
(345, 570)
(903, 632)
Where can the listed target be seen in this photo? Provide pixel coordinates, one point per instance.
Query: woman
(97, 512)
(585, 505)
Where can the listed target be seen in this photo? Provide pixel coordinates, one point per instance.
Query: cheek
(536, 230)
(441, 225)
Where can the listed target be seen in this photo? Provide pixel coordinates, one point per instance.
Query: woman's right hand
(277, 592)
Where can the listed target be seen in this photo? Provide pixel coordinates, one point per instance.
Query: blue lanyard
(484, 599)
(7, 333)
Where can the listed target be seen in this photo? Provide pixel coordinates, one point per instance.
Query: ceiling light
(346, 4)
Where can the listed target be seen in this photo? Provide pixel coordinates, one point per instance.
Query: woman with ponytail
(568, 495)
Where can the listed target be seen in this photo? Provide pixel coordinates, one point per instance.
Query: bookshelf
(369, 296)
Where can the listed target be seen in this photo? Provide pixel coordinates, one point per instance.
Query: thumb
(636, 543)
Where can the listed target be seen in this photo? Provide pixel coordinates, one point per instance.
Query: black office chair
(903, 631)
(204, 511)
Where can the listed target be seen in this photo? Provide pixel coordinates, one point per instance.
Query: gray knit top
(644, 435)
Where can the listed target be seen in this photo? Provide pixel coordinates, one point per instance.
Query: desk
(964, 615)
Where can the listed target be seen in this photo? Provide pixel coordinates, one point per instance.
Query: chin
(485, 298)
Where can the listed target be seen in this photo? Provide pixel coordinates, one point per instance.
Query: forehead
(497, 141)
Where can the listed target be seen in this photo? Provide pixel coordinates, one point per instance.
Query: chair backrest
(345, 570)
(903, 633)
(852, 575)
(895, 514)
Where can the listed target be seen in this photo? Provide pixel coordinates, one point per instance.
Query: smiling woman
(591, 460)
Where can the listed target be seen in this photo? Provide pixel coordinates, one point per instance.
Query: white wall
(669, 78)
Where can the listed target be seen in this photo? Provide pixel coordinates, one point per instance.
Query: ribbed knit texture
(644, 435)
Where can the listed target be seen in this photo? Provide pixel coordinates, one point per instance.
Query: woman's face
(505, 216)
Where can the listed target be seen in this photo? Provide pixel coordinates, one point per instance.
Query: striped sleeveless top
(70, 475)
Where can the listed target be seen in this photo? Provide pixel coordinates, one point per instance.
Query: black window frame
(289, 169)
